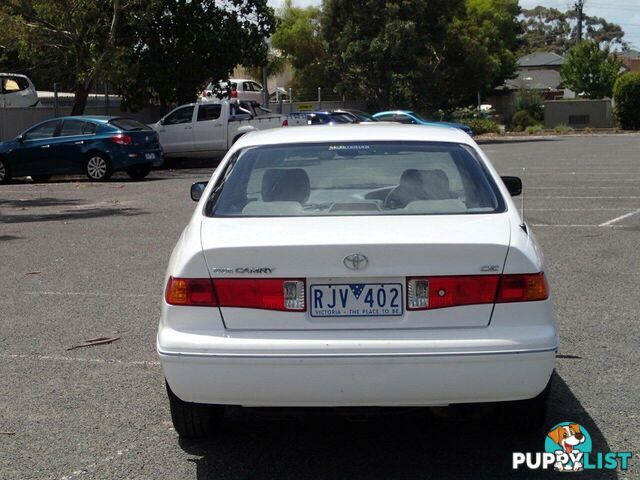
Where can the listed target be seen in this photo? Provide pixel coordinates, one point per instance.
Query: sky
(625, 13)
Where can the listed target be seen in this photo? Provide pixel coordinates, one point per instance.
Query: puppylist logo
(568, 448)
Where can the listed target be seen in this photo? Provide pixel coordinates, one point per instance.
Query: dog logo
(569, 441)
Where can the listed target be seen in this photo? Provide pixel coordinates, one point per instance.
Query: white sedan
(355, 265)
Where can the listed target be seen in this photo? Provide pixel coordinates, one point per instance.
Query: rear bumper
(511, 359)
(364, 380)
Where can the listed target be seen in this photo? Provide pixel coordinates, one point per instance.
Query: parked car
(17, 91)
(209, 128)
(246, 89)
(358, 115)
(329, 118)
(409, 117)
(94, 145)
(396, 271)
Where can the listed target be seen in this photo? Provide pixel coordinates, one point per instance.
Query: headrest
(286, 185)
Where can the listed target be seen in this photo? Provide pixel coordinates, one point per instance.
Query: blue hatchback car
(92, 145)
(407, 116)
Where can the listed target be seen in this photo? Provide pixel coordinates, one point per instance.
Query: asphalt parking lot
(80, 260)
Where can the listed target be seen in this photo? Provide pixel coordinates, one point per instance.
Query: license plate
(356, 300)
(150, 156)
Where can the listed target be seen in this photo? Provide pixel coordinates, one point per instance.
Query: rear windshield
(128, 124)
(379, 178)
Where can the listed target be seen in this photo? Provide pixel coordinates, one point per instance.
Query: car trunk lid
(316, 250)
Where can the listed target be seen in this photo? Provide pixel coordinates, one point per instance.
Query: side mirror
(197, 189)
(20, 139)
(513, 184)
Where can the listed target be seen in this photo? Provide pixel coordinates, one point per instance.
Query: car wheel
(530, 413)
(4, 172)
(98, 168)
(139, 172)
(193, 420)
(40, 178)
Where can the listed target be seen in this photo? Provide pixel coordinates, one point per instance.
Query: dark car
(328, 118)
(358, 115)
(93, 145)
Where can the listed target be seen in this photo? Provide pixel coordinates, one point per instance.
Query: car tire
(5, 175)
(139, 172)
(98, 167)
(193, 420)
(40, 178)
(530, 413)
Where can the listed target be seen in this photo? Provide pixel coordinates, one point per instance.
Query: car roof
(395, 112)
(14, 74)
(365, 132)
(93, 118)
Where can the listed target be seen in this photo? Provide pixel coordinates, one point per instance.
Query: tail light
(523, 288)
(262, 293)
(121, 139)
(440, 292)
(285, 122)
(191, 291)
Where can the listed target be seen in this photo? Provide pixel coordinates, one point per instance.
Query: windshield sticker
(350, 147)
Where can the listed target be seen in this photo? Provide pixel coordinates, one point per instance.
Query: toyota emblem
(356, 261)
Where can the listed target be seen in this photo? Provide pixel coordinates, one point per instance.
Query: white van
(17, 91)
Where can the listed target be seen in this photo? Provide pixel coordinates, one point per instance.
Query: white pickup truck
(210, 128)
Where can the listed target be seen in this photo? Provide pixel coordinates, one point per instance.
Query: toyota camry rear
(364, 265)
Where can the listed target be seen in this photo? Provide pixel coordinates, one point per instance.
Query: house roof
(535, 80)
(541, 59)
(630, 54)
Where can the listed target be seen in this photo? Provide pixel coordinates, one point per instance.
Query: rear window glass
(128, 124)
(378, 178)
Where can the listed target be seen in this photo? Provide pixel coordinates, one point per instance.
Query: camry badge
(355, 261)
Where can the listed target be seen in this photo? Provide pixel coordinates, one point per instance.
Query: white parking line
(617, 219)
(622, 197)
(62, 358)
(545, 225)
(605, 209)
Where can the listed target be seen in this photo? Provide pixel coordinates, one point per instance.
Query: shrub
(521, 120)
(626, 93)
(563, 129)
(534, 129)
(482, 125)
(531, 102)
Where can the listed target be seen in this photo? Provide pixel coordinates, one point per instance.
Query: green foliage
(69, 44)
(590, 70)
(530, 101)
(534, 129)
(420, 54)
(563, 129)
(521, 120)
(482, 125)
(551, 30)
(626, 94)
(175, 48)
(299, 39)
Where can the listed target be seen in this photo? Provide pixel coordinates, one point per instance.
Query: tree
(299, 38)
(76, 40)
(549, 29)
(626, 92)
(421, 54)
(590, 70)
(175, 48)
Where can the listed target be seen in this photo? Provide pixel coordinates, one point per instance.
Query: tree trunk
(80, 100)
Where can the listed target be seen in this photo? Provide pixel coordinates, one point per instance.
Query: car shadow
(39, 202)
(451, 443)
(68, 215)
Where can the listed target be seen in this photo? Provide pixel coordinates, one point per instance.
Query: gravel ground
(81, 260)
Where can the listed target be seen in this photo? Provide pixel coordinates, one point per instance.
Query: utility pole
(579, 11)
